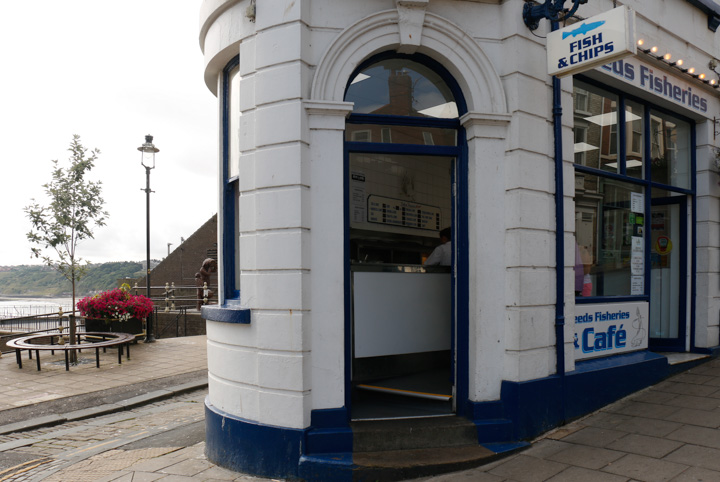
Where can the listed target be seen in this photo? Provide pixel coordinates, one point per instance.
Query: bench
(38, 343)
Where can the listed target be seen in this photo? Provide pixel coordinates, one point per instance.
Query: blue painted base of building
(323, 451)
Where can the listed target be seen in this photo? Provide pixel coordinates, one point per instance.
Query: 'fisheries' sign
(596, 41)
(610, 328)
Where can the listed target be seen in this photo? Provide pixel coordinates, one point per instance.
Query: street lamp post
(147, 151)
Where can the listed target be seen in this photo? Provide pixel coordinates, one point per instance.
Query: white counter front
(399, 313)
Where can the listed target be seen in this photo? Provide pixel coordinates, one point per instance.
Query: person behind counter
(442, 255)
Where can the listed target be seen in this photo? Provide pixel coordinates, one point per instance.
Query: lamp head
(147, 153)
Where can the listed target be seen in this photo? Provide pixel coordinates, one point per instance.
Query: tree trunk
(71, 325)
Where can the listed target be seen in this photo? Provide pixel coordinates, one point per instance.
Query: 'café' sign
(592, 42)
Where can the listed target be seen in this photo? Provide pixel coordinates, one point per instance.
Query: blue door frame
(678, 343)
(460, 277)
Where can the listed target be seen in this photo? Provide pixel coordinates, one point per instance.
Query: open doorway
(402, 308)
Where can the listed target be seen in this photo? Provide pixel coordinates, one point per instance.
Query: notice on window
(638, 246)
(408, 214)
(637, 285)
(637, 202)
(637, 264)
(357, 197)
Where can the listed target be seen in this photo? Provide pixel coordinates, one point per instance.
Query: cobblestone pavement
(160, 441)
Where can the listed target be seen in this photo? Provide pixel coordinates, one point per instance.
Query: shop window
(398, 134)
(596, 112)
(609, 233)
(634, 145)
(669, 151)
(230, 172)
(401, 87)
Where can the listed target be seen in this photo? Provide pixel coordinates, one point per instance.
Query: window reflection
(233, 157)
(605, 225)
(596, 128)
(399, 134)
(669, 151)
(634, 145)
(401, 87)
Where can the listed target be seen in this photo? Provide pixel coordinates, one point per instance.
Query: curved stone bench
(121, 340)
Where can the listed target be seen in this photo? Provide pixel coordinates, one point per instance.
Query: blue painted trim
(506, 447)
(419, 149)
(246, 446)
(621, 137)
(329, 432)
(462, 281)
(693, 236)
(535, 406)
(559, 238)
(327, 467)
(611, 299)
(347, 277)
(226, 314)
(404, 121)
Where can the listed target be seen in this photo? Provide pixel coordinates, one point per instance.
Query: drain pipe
(559, 241)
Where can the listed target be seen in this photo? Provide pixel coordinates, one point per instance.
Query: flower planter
(134, 326)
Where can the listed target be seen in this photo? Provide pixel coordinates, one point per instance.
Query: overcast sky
(110, 72)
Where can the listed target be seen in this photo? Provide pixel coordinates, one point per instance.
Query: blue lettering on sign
(659, 85)
(594, 342)
(586, 49)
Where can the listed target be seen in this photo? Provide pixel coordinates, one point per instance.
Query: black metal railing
(176, 323)
(172, 298)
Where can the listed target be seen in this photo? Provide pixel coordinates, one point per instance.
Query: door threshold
(678, 358)
(401, 417)
(407, 393)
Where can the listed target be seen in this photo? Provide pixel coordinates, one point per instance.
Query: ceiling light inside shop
(448, 110)
(628, 164)
(359, 78)
(667, 56)
(584, 147)
(654, 49)
(640, 42)
(610, 118)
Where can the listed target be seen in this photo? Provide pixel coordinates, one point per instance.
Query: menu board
(395, 212)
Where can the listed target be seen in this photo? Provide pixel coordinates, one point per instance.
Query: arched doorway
(404, 160)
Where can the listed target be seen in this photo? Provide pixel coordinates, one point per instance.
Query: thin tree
(75, 210)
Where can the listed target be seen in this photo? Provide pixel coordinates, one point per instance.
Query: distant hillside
(44, 281)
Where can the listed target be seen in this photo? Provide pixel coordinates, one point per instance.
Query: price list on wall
(382, 210)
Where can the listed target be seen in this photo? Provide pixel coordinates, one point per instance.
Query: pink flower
(115, 304)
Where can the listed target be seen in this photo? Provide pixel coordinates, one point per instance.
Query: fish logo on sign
(582, 29)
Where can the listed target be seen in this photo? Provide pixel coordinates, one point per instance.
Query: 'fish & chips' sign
(589, 43)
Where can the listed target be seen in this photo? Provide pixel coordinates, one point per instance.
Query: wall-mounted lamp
(679, 64)
(250, 11)
(553, 10)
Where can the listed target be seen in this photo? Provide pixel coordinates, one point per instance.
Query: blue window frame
(230, 181)
(633, 144)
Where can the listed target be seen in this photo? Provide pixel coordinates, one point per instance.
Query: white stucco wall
(295, 61)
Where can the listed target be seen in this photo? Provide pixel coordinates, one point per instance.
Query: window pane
(634, 145)
(233, 124)
(401, 87)
(605, 231)
(670, 151)
(596, 145)
(429, 136)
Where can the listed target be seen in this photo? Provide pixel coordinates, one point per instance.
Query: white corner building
(577, 219)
